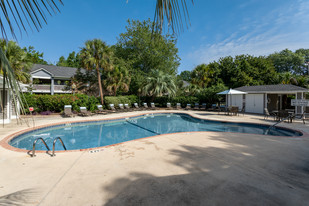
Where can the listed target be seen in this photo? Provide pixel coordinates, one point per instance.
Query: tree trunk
(100, 85)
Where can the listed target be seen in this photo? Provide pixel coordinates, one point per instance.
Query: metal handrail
(273, 126)
(34, 143)
(54, 143)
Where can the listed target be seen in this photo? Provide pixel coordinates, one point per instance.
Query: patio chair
(304, 117)
(152, 105)
(178, 106)
(145, 105)
(188, 107)
(100, 109)
(203, 107)
(168, 106)
(268, 114)
(136, 107)
(242, 110)
(68, 111)
(84, 112)
(121, 107)
(196, 106)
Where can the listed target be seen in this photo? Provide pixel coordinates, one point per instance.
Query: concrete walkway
(201, 168)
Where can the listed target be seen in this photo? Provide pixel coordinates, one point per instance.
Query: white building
(273, 97)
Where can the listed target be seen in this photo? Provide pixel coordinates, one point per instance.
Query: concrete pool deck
(200, 168)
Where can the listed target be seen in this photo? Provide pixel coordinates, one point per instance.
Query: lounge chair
(196, 106)
(178, 106)
(168, 106)
(68, 111)
(100, 109)
(188, 107)
(84, 111)
(127, 107)
(242, 110)
(153, 106)
(121, 107)
(203, 107)
(145, 105)
(112, 107)
(136, 107)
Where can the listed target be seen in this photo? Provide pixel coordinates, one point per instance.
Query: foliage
(184, 100)
(120, 100)
(55, 103)
(209, 95)
(185, 75)
(73, 60)
(96, 55)
(117, 79)
(202, 75)
(34, 56)
(288, 61)
(146, 50)
(18, 60)
(159, 84)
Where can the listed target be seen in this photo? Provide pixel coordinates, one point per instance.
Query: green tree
(159, 84)
(288, 61)
(146, 50)
(73, 60)
(34, 56)
(18, 60)
(202, 75)
(96, 55)
(185, 75)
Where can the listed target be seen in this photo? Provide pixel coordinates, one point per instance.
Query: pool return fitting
(54, 143)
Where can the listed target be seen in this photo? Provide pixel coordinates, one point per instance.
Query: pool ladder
(54, 143)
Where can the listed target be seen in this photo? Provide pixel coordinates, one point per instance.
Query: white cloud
(285, 27)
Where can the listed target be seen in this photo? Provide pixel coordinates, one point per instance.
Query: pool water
(101, 133)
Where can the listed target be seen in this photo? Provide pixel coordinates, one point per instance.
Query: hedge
(55, 103)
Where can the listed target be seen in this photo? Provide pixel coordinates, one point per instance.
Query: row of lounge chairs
(126, 108)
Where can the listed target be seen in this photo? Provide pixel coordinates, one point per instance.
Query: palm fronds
(174, 11)
(15, 14)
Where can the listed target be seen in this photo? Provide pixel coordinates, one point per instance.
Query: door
(255, 103)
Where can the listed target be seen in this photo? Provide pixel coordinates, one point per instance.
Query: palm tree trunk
(100, 85)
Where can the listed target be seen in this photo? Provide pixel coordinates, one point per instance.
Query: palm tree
(96, 55)
(18, 60)
(117, 79)
(202, 75)
(159, 84)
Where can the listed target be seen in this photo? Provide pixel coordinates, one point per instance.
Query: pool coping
(5, 141)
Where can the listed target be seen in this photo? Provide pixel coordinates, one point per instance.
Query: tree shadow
(21, 197)
(236, 173)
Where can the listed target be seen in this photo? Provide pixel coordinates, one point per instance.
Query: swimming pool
(84, 135)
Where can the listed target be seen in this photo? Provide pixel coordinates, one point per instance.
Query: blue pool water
(108, 132)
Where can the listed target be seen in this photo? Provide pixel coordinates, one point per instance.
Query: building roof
(55, 71)
(278, 88)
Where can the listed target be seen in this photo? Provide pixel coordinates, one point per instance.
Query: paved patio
(200, 168)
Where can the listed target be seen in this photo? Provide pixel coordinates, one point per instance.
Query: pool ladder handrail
(54, 143)
(274, 125)
(34, 143)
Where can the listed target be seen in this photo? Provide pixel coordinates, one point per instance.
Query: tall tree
(96, 54)
(146, 50)
(202, 75)
(34, 56)
(117, 79)
(18, 60)
(288, 61)
(73, 60)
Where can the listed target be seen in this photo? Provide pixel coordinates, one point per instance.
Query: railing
(41, 87)
(54, 143)
(273, 126)
(34, 143)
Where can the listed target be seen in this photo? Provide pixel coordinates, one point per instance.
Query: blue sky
(218, 28)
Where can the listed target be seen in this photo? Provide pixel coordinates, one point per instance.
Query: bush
(184, 100)
(120, 100)
(55, 103)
